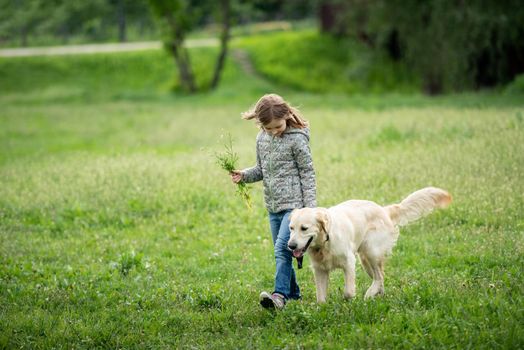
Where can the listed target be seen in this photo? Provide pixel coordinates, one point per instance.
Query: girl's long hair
(272, 106)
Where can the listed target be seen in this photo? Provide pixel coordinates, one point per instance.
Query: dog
(333, 237)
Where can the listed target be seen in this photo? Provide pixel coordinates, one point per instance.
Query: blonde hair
(272, 106)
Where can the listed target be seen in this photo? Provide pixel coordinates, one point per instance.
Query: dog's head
(309, 228)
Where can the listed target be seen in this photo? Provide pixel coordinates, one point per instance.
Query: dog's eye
(304, 228)
(291, 228)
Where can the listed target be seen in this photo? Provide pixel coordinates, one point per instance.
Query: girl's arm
(306, 172)
(254, 173)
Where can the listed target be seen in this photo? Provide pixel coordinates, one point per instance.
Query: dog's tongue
(297, 253)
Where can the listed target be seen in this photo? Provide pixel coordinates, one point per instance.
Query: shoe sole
(267, 303)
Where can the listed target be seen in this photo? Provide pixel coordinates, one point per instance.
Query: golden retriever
(334, 236)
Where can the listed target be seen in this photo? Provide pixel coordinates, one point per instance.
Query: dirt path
(241, 57)
(97, 48)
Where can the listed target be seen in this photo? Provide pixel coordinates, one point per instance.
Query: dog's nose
(292, 245)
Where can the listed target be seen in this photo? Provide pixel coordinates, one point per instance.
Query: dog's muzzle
(297, 253)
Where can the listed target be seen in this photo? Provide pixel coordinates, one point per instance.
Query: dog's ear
(323, 219)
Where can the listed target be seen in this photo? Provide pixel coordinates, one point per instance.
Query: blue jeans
(285, 280)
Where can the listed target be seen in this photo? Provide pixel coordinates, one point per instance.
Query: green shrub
(516, 86)
(313, 62)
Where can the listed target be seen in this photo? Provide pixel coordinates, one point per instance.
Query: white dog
(334, 236)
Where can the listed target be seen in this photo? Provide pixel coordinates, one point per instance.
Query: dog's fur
(336, 235)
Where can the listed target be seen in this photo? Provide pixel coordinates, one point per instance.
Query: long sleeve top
(285, 166)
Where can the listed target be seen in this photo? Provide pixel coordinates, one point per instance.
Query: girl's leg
(274, 225)
(285, 279)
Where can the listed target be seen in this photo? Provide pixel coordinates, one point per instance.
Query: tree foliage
(179, 17)
(22, 20)
(452, 45)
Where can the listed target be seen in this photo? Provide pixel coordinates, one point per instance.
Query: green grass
(118, 229)
(126, 75)
(314, 62)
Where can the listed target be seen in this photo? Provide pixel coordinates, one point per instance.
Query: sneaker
(272, 301)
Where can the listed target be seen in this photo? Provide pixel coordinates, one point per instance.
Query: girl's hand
(236, 176)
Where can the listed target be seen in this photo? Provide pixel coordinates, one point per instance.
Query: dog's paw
(349, 295)
(373, 292)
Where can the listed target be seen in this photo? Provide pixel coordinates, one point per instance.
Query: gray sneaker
(272, 301)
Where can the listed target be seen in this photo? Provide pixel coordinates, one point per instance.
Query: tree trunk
(331, 15)
(64, 33)
(361, 9)
(326, 15)
(23, 37)
(187, 80)
(121, 14)
(141, 27)
(224, 39)
(181, 55)
(432, 84)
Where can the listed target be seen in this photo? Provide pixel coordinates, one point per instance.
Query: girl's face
(276, 127)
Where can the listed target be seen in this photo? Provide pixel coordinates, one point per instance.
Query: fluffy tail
(417, 205)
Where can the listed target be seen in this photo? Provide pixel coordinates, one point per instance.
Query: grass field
(119, 230)
(310, 61)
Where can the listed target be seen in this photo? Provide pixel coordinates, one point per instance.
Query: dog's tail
(417, 205)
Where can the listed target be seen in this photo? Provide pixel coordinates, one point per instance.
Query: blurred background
(351, 46)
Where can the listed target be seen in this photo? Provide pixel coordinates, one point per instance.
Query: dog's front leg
(321, 282)
(349, 277)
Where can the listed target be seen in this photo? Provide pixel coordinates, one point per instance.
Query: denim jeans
(285, 280)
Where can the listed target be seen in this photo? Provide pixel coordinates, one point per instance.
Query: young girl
(284, 164)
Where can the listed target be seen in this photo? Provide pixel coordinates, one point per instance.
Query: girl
(284, 164)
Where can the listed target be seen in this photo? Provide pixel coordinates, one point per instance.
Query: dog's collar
(326, 227)
(317, 248)
(308, 243)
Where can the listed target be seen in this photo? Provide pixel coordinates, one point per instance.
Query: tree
(225, 6)
(126, 13)
(452, 45)
(457, 45)
(21, 18)
(331, 15)
(120, 6)
(70, 17)
(180, 17)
